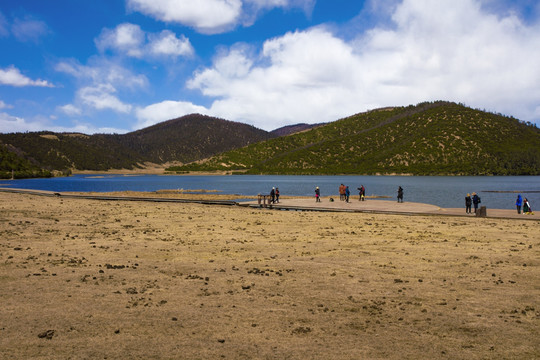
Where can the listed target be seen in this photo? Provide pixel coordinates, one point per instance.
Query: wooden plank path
(304, 204)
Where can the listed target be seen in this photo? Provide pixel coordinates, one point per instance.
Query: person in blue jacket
(519, 202)
(475, 201)
(347, 194)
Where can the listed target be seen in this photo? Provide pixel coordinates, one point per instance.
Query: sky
(115, 66)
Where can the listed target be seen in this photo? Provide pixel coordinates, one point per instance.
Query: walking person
(273, 195)
(468, 204)
(277, 195)
(347, 194)
(400, 194)
(476, 200)
(317, 194)
(519, 202)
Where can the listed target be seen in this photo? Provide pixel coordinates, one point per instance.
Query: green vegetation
(437, 138)
(184, 139)
(17, 167)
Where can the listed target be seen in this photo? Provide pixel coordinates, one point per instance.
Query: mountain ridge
(430, 138)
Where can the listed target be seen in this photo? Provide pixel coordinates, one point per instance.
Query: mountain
(190, 138)
(293, 129)
(437, 138)
(185, 139)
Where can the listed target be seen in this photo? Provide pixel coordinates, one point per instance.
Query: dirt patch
(99, 279)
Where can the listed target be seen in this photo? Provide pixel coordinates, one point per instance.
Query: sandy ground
(96, 279)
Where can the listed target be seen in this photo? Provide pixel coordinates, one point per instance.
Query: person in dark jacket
(273, 195)
(475, 200)
(362, 193)
(400, 194)
(527, 207)
(468, 203)
(519, 202)
(347, 194)
(317, 195)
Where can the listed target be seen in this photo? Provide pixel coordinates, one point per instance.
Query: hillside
(185, 139)
(12, 165)
(439, 138)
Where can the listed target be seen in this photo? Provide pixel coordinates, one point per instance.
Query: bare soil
(83, 279)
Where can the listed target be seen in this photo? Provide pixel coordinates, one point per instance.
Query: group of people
(470, 201)
(475, 200)
(344, 193)
(274, 195)
(526, 206)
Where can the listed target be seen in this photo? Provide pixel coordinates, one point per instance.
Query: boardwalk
(298, 204)
(386, 206)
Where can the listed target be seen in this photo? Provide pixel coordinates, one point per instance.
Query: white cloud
(100, 71)
(102, 97)
(131, 40)
(165, 110)
(212, 16)
(3, 105)
(449, 50)
(207, 16)
(12, 76)
(70, 110)
(126, 38)
(11, 124)
(167, 44)
(29, 30)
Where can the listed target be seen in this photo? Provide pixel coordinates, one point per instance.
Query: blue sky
(114, 66)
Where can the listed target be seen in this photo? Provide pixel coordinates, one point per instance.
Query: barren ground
(164, 280)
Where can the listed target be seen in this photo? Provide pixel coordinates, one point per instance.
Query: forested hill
(185, 139)
(439, 138)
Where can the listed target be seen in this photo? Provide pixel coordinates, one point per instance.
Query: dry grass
(146, 280)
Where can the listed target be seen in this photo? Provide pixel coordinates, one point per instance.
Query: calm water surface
(444, 191)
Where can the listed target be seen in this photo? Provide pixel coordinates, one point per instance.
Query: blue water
(444, 191)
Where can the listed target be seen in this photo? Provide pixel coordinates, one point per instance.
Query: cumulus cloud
(127, 38)
(12, 76)
(131, 40)
(207, 16)
(102, 97)
(449, 50)
(102, 71)
(70, 110)
(3, 105)
(11, 124)
(167, 44)
(165, 110)
(212, 16)
(99, 84)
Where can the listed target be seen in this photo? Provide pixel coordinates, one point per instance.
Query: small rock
(46, 335)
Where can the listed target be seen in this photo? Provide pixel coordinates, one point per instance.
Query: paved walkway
(387, 206)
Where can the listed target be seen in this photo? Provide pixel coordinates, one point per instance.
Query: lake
(444, 191)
